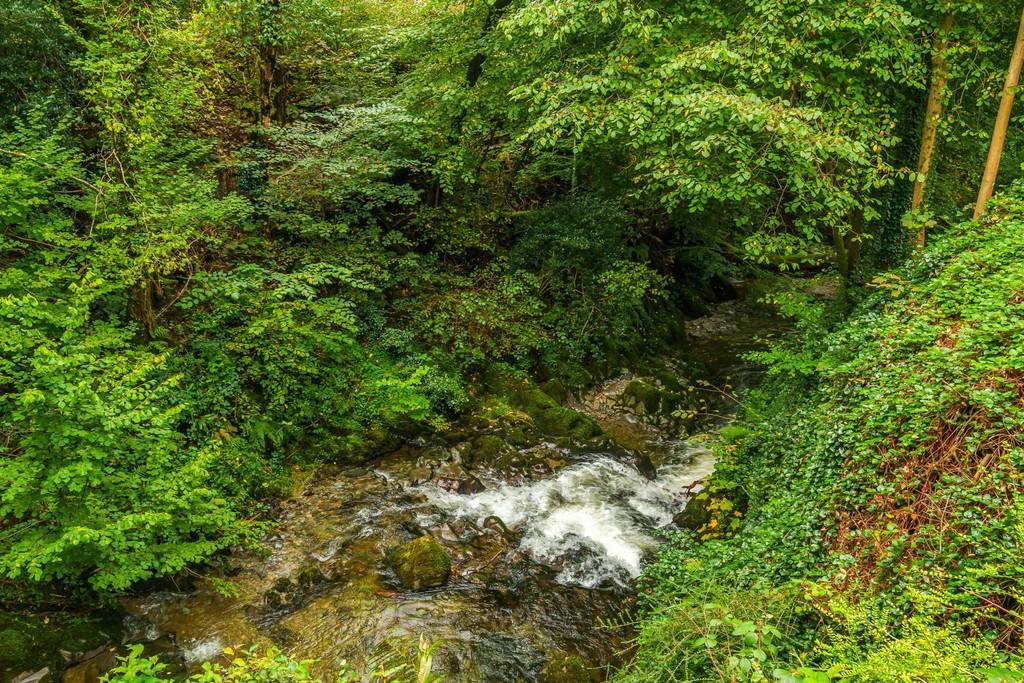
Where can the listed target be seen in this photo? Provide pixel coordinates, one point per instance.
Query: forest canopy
(238, 236)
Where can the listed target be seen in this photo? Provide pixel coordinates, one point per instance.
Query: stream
(545, 538)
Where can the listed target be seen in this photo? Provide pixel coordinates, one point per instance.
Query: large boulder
(696, 515)
(487, 449)
(548, 415)
(421, 563)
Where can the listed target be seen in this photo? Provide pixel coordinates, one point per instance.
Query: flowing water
(592, 519)
(545, 544)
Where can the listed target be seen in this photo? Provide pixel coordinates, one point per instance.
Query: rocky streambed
(512, 544)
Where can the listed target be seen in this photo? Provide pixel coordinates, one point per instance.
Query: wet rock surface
(565, 669)
(92, 668)
(40, 647)
(421, 563)
(544, 514)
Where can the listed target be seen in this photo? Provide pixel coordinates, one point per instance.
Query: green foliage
(863, 646)
(881, 459)
(272, 666)
(235, 237)
(705, 634)
(38, 45)
(97, 483)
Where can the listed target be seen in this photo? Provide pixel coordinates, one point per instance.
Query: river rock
(93, 668)
(557, 420)
(454, 477)
(421, 563)
(13, 641)
(695, 515)
(41, 676)
(311, 576)
(507, 579)
(487, 448)
(564, 668)
(548, 415)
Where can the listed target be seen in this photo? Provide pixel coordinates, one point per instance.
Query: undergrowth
(874, 529)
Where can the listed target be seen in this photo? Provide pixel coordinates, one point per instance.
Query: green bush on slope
(881, 470)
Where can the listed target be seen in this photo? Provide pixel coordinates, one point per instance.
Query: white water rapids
(592, 519)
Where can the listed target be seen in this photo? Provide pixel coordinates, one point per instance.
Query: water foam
(592, 519)
(201, 650)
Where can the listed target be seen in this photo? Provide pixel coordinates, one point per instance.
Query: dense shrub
(881, 464)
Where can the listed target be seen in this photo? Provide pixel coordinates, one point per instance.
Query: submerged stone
(421, 563)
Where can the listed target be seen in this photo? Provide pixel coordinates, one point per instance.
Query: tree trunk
(842, 258)
(281, 96)
(476, 64)
(268, 54)
(995, 150)
(140, 305)
(854, 239)
(933, 113)
(268, 72)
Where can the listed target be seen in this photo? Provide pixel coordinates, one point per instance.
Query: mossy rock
(487, 448)
(565, 669)
(12, 642)
(548, 415)
(558, 421)
(516, 436)
(670, 380)
(695, 515)
(654, 400)
(29, 642)
(311, 576)
(421, 563)
(556, 389)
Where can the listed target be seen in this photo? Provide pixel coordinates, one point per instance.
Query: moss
(311, 576)
(32, 641)
(733, 434)
(548, 415)
(656, 401)
(555, 388)
(695, 515)
(564, 669)
(559, 421)
(13, 641)
(487, 448)
(421, 563)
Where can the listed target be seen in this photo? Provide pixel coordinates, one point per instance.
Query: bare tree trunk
(995, 150)
(933, 113)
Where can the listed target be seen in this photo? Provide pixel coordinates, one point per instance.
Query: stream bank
(543, 511)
